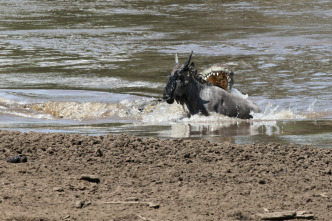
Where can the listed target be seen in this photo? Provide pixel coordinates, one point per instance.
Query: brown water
(88, 66)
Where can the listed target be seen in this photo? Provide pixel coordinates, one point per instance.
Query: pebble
(58, 189)
(286, 215)
(18, 159)
(99, 153)
(90, 178)
(276, 215)
(79, 204)
(304, 215)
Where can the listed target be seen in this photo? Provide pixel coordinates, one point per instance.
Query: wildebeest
(189, 88)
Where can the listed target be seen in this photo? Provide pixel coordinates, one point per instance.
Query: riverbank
(121, 177)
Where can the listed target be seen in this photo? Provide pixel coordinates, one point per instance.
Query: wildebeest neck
(192, 98)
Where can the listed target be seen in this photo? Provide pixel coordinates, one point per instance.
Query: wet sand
(121, 177)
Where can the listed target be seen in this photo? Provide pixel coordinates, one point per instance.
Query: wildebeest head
(178, 80)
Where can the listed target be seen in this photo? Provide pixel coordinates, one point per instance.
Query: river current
(90, 66)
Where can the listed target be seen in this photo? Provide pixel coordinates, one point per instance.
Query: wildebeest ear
(188, 60)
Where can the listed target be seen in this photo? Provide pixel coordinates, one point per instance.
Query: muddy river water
(89, 66)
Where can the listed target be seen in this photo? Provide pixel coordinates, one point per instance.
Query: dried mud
(120, 177)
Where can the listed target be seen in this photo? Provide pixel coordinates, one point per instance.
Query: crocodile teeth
(211, 74)
(215, 70)
(219, 72)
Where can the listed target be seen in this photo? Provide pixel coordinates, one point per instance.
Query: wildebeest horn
(188, 60)
(176, 59)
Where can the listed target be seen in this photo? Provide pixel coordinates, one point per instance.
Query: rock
(99, 153)
(50, 151)
(90, 178)
(18, 159)
(81, 188)
(262, 182)
(132, 199)
(58, 189)
(277, 215)
(79, 204)
(154, 205)
(304, 215)
(67, 217)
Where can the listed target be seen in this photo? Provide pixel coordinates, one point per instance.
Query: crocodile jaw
(220, 75)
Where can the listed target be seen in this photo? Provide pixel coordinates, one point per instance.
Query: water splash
(164, 113)
(130, 110)
(146, 111)
(271, 112)
(74, 110)
(312, 106)
(238, 93)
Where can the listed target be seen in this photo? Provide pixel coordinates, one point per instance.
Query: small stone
(277, 215)
(50, 151)
(18, 159)
(308, 200)
(154, 205)
(79, 204)
(81, 188)
(304, 215)
(262, 182)
(90, 178)
(99, 153)
(132, 199)
(328, 171)
(58, 189)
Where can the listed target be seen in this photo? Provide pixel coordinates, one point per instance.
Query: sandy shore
(120, 177)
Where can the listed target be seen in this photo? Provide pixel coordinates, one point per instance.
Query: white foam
(81, 81)
(272, 113)
(312, 106)
(27, 114)
(175, 113)
(136, 109)
(165, 114)
(238, 93)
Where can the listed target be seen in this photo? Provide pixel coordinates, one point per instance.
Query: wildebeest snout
(169, 90)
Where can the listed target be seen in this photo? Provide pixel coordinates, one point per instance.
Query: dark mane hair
(194, 73)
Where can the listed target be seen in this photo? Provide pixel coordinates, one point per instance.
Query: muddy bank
(74, 177)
